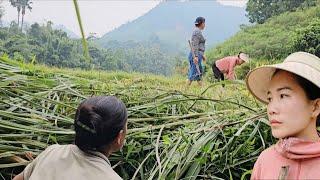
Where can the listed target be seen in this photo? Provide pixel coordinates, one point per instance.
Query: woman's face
(203, 25)
(289, 109)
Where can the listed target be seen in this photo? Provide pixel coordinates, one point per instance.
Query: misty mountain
(70, 33)
(171, 23)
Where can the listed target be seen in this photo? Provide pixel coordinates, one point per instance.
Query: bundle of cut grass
(174, 133)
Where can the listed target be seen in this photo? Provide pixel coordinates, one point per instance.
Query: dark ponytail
(98, 121)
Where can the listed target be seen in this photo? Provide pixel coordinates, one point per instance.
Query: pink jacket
(226, 66)
(290, 158)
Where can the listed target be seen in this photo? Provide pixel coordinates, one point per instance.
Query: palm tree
(24, 4)
(21, 6)
(16, 4)
(1, 13)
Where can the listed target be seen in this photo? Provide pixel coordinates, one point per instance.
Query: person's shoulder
(268, 153)
(113, 175)
(55, 148)
(52, 147)
(100, 172)
(104, 171)
(227, 58)
(196, 31)
(233, 58)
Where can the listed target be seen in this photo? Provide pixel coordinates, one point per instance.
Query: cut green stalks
(215, 133)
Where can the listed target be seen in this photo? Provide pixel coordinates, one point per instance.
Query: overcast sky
(98, 16)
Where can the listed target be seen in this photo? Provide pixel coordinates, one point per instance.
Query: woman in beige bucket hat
(291, 91)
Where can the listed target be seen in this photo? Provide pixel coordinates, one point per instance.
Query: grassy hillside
(174, 132)
(268, 41)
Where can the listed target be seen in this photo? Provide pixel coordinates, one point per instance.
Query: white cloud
(239, 3)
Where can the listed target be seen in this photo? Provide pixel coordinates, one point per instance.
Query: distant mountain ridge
(171, 23)
(70, 33)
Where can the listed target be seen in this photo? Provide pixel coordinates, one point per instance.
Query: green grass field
(175, 131)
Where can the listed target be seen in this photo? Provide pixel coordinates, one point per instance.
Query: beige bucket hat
(244, 57)
(301, 63)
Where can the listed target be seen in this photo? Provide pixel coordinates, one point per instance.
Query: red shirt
(226, 66)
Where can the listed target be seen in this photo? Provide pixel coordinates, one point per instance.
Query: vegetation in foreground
(174, 132)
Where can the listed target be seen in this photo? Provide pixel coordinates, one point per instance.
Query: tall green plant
(84, 40)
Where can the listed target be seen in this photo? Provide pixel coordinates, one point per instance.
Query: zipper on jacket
(284, 171)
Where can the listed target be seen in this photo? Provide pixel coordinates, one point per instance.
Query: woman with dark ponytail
(100, 126)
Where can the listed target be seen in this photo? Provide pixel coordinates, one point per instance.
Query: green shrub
(308, 39)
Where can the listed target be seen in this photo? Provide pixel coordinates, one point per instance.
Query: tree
(35, 30)
(258, 11)
(21, 6)
(24, 4)
(1, 13)
(16, 4)
(308, 39)
(14, 28)
(53, 47)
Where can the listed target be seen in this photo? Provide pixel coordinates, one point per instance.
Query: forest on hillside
(216, 131)
(41, 43)
(272, 35)
(45, 45)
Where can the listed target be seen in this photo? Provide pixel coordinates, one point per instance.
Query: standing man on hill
(225, 67)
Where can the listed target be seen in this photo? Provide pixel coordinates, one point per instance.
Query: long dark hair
(98, 121)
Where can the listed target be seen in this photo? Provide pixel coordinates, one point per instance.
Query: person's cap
(199, 20)
(300, 63)
(244, 57)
